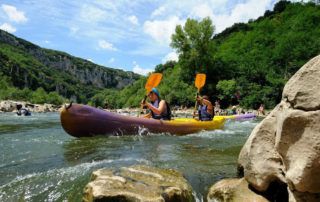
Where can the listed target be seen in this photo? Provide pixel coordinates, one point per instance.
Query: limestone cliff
(28, 65)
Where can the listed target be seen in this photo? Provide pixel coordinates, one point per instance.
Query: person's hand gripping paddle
(152, 82)
(199, 83)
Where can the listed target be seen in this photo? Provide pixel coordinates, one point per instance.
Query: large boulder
(236, 190)
(138, 183)
(302, 90)
(285, 146)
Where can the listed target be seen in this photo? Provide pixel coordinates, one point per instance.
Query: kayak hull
(83, 121)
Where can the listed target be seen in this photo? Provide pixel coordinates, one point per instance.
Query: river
(40, 162)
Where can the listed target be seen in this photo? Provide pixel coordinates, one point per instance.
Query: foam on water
(49, 181)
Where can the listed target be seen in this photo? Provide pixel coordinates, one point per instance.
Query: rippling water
(40, 162)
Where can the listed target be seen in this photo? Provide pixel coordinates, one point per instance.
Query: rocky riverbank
(11, 106)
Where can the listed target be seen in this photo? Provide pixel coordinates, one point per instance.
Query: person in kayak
(159, 109)
(22, 111)
(205, 109)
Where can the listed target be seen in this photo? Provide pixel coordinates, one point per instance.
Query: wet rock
(233, 190)
(137, 183)
(285, 146)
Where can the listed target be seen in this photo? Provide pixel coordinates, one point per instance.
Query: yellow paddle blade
(200, 81)
(153, 81)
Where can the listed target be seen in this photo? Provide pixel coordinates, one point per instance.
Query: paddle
(152, 82)
(199, 83)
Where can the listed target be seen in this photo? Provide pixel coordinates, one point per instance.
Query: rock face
(7, 106)
(56, 71)
(11, 106)
(285, 147)
(233, 190)
(138, 183)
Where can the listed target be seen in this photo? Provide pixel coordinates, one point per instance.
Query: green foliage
(193, 43)
(162, 67)
(253, 60)
(226, 89)
(174, 90)
(40, 96)
(29, 66)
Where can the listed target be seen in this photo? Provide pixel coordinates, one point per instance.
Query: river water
(40, 162)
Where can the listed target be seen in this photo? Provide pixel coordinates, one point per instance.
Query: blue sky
(123, 34)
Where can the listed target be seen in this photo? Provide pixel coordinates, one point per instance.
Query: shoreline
(10, 106)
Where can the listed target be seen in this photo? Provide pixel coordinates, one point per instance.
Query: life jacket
(164, 115)
(204, 115)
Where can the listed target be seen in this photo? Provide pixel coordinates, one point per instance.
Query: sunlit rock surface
(236, 190)
(285, 146)
(138, 183)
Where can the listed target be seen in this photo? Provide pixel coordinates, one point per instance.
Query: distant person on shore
(261, 110)
(217, 108)
(205, 109)
(22, 111)
(159, 109)
(234, 110)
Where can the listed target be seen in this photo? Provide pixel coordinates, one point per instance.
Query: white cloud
(241, 13)
(202, 11)
(159, 11)
(161, 30)
(13, 14)
(111, 60)
(73, 30)
(106, 45)
(92, 14)
(133, 19)
(173, 56)
(139, 70)
(7, 27)
(90, 60)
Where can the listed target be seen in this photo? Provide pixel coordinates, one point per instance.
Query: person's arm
(147, 115)
(208, 104)
(156, 110)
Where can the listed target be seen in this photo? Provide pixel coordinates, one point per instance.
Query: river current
(40, 162)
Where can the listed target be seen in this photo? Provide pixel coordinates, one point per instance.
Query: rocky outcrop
(55, 70)
(7, 106)
(284, 148)
(236, 190)
(11, 106)
(137, 183)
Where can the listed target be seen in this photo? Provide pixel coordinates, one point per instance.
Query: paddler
(205, 109)
(159, 109)
(22, 111)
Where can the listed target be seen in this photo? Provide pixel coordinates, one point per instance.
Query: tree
(226, 89)
(193, 42)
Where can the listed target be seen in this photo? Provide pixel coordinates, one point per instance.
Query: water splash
(50, 184)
